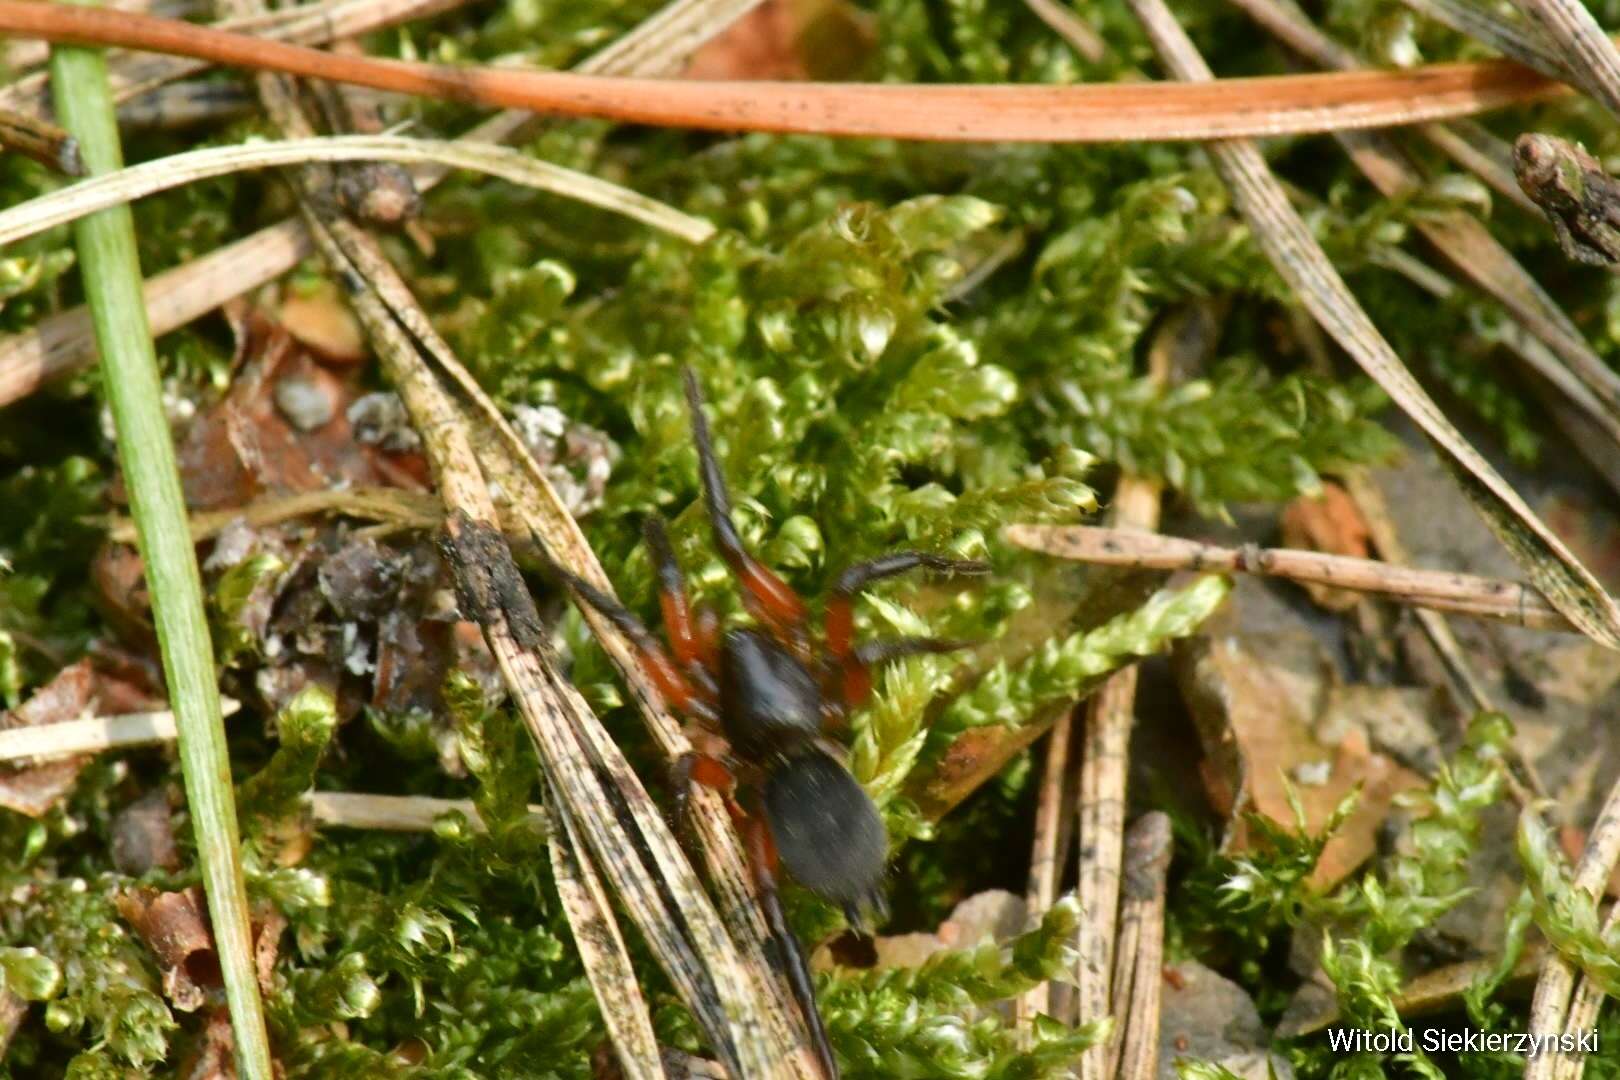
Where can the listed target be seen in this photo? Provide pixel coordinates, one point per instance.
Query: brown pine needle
(1139, 970)
(1439, 590)
(1109, 112)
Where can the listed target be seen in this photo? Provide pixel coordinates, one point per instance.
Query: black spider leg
(768, 598)
(848, 676)
(762, 859)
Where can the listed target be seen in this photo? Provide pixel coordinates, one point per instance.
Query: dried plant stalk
(1106, 112)
(1550, 1007)
(1138, 974)
(1441, 590)
(1054, 828)
(1583, 1013)
(1300, 261)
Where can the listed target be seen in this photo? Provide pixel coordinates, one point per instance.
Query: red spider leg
(762, 859)
(851, 670)
(768, 598)
(672, 683)
(692, 634)
(693, 767)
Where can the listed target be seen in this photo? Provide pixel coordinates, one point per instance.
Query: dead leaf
(213, 1057)
(319, 319)
(1329, 523)
(143, 836)
(35, 789)
(174, 926)
(1263, 709)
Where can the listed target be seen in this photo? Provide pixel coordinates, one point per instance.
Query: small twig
(1302, 263)
(137, 181)
(41, 140)
(1441, 590)
(1138, 973)
(112, 282)
(1550, 1008)
(1106, 112)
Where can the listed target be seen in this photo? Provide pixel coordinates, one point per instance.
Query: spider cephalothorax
(760, 700)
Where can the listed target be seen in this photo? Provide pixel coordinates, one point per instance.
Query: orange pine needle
(1104, 112)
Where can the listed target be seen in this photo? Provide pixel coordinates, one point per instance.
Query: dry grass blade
(1106, 112)
(133, 74)
(1441, 590)
(394, 813)
(1550, 1007)
(1583, 1013)
(138, 181)
(1583, 49)
(1139, 972)
(1300, 260)
(64, 341)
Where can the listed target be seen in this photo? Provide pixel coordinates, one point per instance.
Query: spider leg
(851, 664)
(698, 768)
(692, 634)
(768, 597)
(762, 859)
(672, 683)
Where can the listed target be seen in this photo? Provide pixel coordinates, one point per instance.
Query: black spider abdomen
(827, 831)
(770, 704)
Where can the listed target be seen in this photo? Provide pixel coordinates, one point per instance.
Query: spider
(760, 702)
